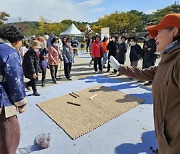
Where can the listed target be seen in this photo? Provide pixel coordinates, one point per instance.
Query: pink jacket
(53, 56)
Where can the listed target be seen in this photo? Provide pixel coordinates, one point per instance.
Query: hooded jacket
(166, 97)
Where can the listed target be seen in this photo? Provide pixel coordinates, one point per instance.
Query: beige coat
(166, 97)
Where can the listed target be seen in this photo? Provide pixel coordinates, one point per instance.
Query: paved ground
(130, 133)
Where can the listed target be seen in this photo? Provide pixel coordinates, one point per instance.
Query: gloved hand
(66, 60)
(114, 63)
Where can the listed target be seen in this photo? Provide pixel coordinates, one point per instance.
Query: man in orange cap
(165, 82)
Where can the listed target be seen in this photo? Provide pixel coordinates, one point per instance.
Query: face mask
(36, 50)
(42, 45)
(55, 44)
(69, 44)
(132, 43)
(147, 39)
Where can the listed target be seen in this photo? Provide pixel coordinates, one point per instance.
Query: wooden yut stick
(75, 94)
(73, 104)
(92, 96)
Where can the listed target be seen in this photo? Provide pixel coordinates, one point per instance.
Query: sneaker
(43, 84)
(54, 81)
(147, 84)
(69, 79)
(36, 93)
(96, 72)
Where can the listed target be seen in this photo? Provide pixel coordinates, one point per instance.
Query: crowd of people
(117, 47)
(42, 52)
(46, 52)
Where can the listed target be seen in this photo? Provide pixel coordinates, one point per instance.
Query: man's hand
(114, 63)
(21, 109)
(34, 76)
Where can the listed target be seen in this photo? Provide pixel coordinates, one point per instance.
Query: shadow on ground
(148, 141)
(29, 149)
(120, 85)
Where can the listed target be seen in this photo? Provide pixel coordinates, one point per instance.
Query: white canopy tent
(73, 31)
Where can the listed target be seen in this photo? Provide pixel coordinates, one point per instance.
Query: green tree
(142, 17)
(3, 17)
(119, 22)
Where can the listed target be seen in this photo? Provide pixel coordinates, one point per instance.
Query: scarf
(171, 46)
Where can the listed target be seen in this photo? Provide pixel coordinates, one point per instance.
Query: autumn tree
(43, 25)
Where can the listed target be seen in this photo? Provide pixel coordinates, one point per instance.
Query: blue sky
(146, 6)
(79, 10)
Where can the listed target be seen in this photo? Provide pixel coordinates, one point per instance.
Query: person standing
(68, 58)
(53, 58)
(135, 52)
(87, 44)
(23, 50)
(105, 51)
(43, 59)
(122, 49)
(43, 64)
(12, 96)
(113, 48)
(149, 56)
(165, 82)
(30, 66)
(90, 49)
(74, 45)
(97, 54)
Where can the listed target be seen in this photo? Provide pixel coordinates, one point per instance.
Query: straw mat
(78, 116)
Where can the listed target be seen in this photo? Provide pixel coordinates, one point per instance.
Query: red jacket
(96, 49)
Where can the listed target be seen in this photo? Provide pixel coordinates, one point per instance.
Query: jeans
(67, 69)
(105, 58)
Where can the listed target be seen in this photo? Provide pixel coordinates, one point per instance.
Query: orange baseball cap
(169, 20)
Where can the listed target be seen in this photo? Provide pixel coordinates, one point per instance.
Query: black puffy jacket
(30, 63)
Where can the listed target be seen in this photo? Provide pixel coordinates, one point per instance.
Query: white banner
(104, 32)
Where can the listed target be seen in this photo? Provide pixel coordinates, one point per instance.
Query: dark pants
(9, 134)
(87, 48)
(53, 70)
(108, 68)
(43, 74)
(67, 69)
(121, 62)
(97, 61)
(32, 83)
